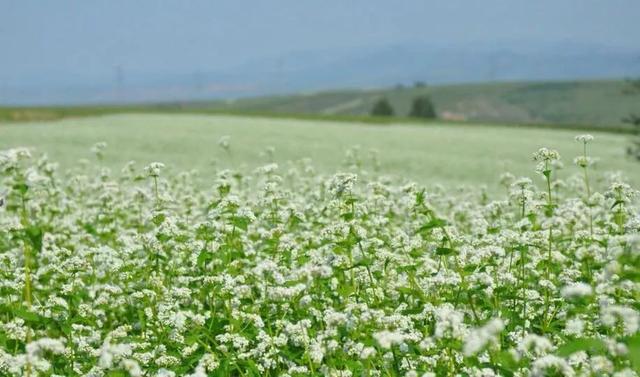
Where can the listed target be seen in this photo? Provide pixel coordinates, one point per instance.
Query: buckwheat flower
(367, 352)
(342, 183)
(625, 373)
(584, 161)
(601, 365)
(616, 348)
(162, 372)
(10, 159)
(546, 158)
(621, 191)
(480, 337)
(574, 327)
(36, 348)
(225, 142)
(506, 179)
(576, 290)
(154, 169)
(167, 361)
(386, 338)
(610, 315)
(132, 367)
(550, 365)
(522, 183)
(544, 154)
(209, 362)
(98, 149)
(112, 353)
(584, 138)
(267, 169)
(449, 322)
(534, 345)
(16, 329)
(316, 352)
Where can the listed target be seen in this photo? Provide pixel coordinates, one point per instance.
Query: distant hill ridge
(597, 104)
(602, 103)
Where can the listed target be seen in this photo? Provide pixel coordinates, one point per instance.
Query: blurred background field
(434, 153)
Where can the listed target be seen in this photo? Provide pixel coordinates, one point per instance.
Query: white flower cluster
(280, 271)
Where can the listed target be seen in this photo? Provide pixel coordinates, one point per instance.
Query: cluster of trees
(421, 107)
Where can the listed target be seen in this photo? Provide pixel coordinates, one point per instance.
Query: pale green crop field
(430, 154)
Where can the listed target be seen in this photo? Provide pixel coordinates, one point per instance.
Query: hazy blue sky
(50, 40)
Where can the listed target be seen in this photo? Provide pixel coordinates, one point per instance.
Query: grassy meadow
(449, 154)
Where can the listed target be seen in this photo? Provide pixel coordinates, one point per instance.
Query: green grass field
(447, 154)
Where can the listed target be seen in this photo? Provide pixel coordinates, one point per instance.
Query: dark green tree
(422, 107)
(382, 108)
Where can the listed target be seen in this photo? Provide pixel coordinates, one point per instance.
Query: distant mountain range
(364, 68)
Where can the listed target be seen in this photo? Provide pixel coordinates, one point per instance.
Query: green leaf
(445, 251)
(203, 258)
(117, 373)
(347, 216)
(350, 201)
(89, 228)
(420, 196)
(27, 315)
(34, 235)
(617, 203)
(21, 187)
(158, 219)
(590, 345)
(434, 223)
(633, 344)
(507, 360)
(241, 222)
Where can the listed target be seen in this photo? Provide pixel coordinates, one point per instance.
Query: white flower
(584, 138)
(576, 290)
(534, 345)
(544, 154)
(154, 169)
(225, 142)
(549, 364)
(342, 183)
(449, 322)
(386, 339)
(98, 149)
(574, 327)
(630, 319)
(479, 338)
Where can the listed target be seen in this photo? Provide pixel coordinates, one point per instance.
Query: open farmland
(430, 154)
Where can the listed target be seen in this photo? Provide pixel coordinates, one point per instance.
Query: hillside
(601, 103)
(567, 104)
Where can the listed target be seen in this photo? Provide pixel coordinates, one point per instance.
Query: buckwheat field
(284, 271)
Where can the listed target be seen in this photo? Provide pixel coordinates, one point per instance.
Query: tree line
(421, 107)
